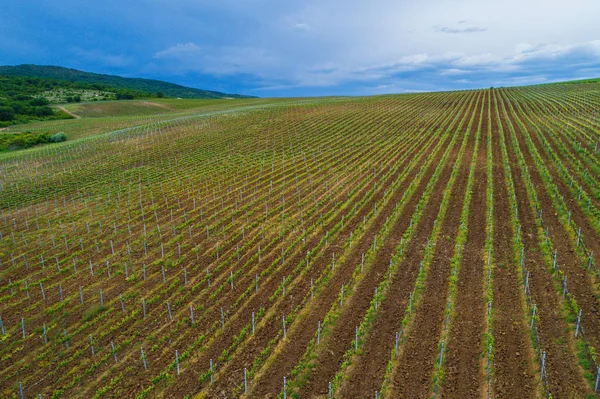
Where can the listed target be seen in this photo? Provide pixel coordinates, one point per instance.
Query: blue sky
(310, 47)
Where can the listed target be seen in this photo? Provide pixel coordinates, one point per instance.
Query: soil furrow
(579, 280)
(412, 379)
(513, 355)
(287, 359)
(376, 347)
(565, 379)
(463, 372)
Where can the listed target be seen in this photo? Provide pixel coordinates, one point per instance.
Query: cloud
(527, 64)
(312, 46)
(179, 51)
(453, 72)
(224, 60)
(586, 52)
(106, 59)
(303, 27)
(470, 29)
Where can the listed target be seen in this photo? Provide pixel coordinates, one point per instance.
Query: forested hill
(137, 84)
(25, 98)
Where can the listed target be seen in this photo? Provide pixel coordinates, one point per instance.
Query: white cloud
(453, 72)
(302, 27)
(321, 43)
(467, 29)
(179, 51)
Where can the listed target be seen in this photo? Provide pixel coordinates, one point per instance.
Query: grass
(93, 312)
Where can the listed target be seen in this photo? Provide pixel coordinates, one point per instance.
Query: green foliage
(94, 79)
(74, 99)
(58, 137)
(93, 312)
(19, 141)
(27, 98)
(6, 113)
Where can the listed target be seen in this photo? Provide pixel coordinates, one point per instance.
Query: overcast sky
(310, 47)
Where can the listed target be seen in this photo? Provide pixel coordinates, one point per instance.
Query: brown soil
(513, 354)
(412, 378)
(564, 375)
(298, 339)
(464, 376)
(377, 346)
(579, 282)
(224, 385)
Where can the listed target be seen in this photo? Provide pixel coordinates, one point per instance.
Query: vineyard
(407, 246)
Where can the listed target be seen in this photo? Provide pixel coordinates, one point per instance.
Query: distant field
(404, 246)
(118, 108)
(158, 106)
(106, 116)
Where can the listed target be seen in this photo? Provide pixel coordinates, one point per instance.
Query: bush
(6, 114)
(58, 137)
(39, 101)
(43, 111)
(17, 141)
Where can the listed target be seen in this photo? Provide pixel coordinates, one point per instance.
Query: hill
(26, 98)
(138, 84)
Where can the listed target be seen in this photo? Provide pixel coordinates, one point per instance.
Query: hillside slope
(147, 85)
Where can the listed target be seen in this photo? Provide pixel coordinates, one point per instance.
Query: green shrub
(58, 137)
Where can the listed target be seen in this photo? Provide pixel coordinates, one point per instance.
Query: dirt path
(62, 108)
(157, 105)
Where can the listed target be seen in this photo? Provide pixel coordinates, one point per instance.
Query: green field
(106, 116)
(400, 246)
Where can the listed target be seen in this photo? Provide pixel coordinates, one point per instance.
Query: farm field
(108, 116)
(400, 246)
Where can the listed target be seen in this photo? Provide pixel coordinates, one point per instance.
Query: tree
(39, 101)
(43, 111)
(160, 94)
(6, 114)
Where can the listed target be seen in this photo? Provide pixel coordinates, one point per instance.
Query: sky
(281, 48)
